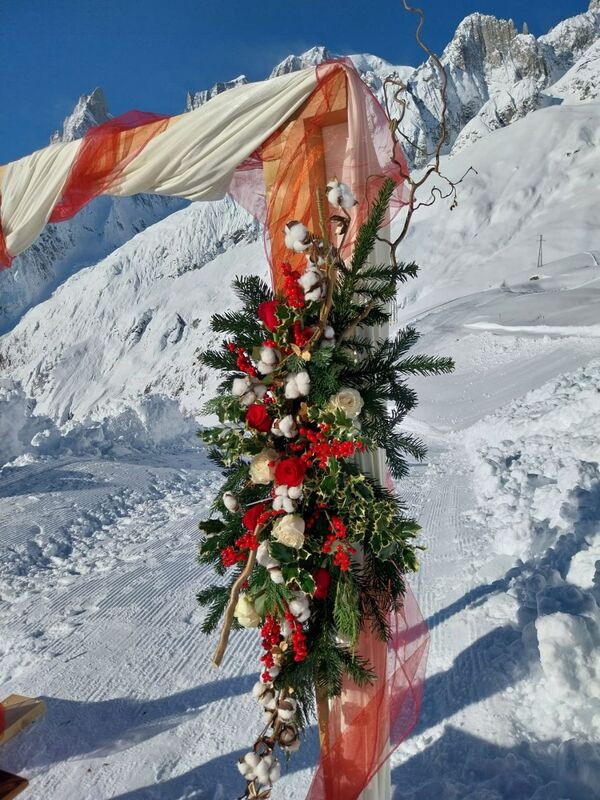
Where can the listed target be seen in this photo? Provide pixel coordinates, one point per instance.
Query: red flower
(267, 314)
(258, 417)
(322, 582)
(250, 518)
(290, 471)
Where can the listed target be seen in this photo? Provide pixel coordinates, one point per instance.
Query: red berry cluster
(322, 449)
(244, 363)
(341, 550)
(292, 291)
(298, 638)
(233, 555)
(301, 335)
(271, 635)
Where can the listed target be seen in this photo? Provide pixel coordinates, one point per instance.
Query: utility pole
(540, 257)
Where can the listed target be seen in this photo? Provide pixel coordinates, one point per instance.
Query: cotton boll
(264, 368)
(297, 236)
(259, 390)
(303, 382)
(340, 194)
(276, 576)
(274, 671)
(300, 606)
(285, 427)
(295, 492)
(262, 773)
(278, 503)
(286, 709)
(275, 772)
(263, 556)
(243, 389)
(311, 282)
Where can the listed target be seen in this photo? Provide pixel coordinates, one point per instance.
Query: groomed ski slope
(97, 602)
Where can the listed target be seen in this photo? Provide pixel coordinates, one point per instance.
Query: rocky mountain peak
(312, 57)
(199, 98)
(91, 109)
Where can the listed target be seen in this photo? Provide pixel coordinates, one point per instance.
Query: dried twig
(232, 602)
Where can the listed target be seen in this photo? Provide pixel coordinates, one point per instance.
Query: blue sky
(147, 54)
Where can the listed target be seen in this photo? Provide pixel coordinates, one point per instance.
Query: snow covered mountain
(98, 229)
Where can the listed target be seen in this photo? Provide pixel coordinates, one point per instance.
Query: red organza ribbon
(103, 155)
(5, 257)
(366, 724)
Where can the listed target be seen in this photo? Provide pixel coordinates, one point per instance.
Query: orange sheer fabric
(105, 152)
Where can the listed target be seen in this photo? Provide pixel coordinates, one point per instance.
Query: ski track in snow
(98, 580)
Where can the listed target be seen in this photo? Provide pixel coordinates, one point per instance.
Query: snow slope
(97, 605)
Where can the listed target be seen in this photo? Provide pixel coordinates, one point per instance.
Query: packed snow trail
(99, 616)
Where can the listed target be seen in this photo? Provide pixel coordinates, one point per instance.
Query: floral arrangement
(311, 546)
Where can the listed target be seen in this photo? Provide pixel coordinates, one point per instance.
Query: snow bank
(537, 479)
(150, 422)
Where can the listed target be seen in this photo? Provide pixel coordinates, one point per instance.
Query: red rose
(258, 417)
(290, 472)
(322, 582)
(267, 314)
(250, 518)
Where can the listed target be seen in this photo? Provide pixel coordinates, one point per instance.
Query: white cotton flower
(248, 390)
(245, 613)
(261, 472)
(312, 284)
(289, 530)
(285, 427)
(284, 504)
(248, 764)
(347, 400)
(297, 236)
(230, 502)
(295, 492)
(340, 195)
(269, 359)
(299, 606)
(276, 576)
(286, 709)
(297, 384)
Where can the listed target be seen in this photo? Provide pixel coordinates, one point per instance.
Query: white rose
(289, 530)
(245, 613)
(347, 400)
(260, 471)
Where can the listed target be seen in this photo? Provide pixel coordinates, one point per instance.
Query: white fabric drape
(193, 158)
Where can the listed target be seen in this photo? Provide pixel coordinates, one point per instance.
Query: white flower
(340, 194)
(265, 695)
(231, 502)
(289, 530)
(248, 390)
(248, 764)
(245, 613)
(300, 606)
(269, 358)
(286, 709)
(285, 427)
(312, 283)
(260, 471)
(297, 384)
(297, 236)
(295, 492)
(347, 400)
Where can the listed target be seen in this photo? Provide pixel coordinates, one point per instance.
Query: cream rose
(347, 400)
(245, 613)
(260, 471)
(289, 530)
